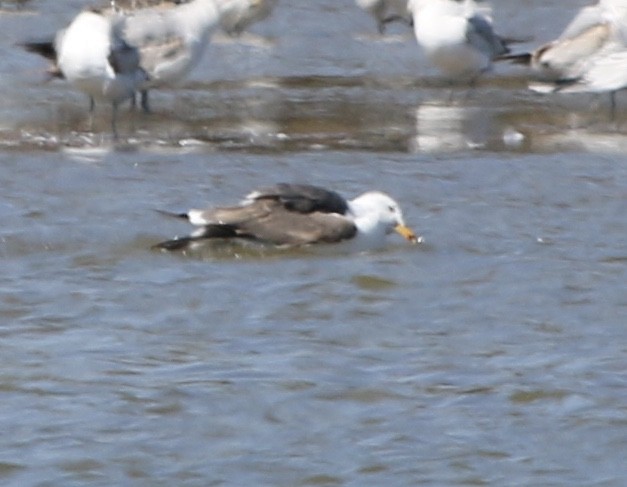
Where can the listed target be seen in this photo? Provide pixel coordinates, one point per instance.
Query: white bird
(590, 54)
(605, 73)
(171, 41)
(239, 16)
(92, 55)
(386, 11)
(290, 215)
(170, 38)
(457, 38)
(245, 13)
(593, 30)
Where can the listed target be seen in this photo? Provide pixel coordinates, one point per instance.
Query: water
(492, 354)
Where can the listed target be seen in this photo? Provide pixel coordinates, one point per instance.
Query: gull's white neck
(371, 232)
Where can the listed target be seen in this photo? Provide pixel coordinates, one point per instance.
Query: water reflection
(446, 128)
(314, 112)
(593, 140)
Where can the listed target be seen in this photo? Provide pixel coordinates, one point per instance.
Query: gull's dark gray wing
(481, 35)
(267, 220)
(303, 198)
(150, 32)
(123, 58)
(284, 227)
(45, 48)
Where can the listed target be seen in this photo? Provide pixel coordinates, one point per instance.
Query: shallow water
(492, 354)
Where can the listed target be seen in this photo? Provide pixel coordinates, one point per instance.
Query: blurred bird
(589, 56)
(244, 14)
(172, 39)
(94, 57)
(236, 19)
(457, 38)
(172, 35)
(386, 11)
(168, 38)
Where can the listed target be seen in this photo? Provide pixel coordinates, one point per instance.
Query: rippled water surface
(494, 353)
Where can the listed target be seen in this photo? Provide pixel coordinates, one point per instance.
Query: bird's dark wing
(269, 219)
(123, 58)
(266, 220)
(480, 32)
(45, 48)
(233, 215)
(285, 227)
(48, 49)
(150, 31)
(303, 198)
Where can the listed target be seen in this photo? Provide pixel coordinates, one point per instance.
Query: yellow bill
(407, 233)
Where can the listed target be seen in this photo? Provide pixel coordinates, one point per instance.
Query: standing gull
(168, 39)
(457, 37)
(590, 54)
(171, 40)
(299, 214)
(94, 57)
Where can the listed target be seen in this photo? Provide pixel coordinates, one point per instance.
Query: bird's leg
(613, 106)
(144, 101)
(472, 88)
(114, 114)
(92, 107)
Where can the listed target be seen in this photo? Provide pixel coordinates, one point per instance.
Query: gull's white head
(376, 214)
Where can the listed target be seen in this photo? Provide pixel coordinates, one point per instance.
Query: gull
(605, 73)
(171, 41)
(239, 16)
(92, 55)
(244, 13)
(170, 38)
(592, 31)
(589, 55)
(386, 11)
(289, 215)
(457, 38)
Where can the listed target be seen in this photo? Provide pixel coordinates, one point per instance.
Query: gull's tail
(523, 58)
(47, 50)
(175, 244)
(182, 216)
(43, 48)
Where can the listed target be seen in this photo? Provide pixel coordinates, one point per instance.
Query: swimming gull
(299, 214)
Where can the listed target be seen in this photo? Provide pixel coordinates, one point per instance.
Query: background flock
(125, 48)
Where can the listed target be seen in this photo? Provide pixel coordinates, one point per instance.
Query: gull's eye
(391, 209)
